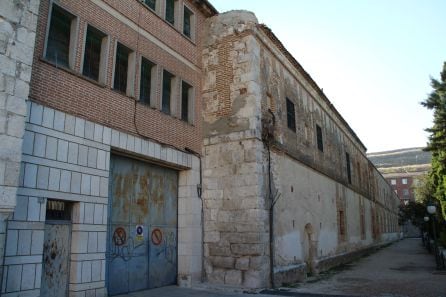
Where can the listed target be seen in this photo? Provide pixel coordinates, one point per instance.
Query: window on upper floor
(168, 80)
(349, 173)
(124, 70)
(150, 3)
(170, 10)
(320, 142)
(404, 181)
(393, 181)
(290, 115)
(186, 102)
(405, 192)
(148, 72)
(61, 38)
(188, 22)
(94, 65)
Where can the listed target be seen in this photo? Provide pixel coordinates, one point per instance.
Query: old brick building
(104, 189)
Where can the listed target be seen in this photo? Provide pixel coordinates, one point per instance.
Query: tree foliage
(436, 101)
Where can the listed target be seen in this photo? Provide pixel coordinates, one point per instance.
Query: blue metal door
(142, 237)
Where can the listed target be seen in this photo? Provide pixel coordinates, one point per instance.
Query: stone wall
(68, 158)
(18, 20)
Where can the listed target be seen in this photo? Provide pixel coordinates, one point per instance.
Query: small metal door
(142, 237)
(56, 255)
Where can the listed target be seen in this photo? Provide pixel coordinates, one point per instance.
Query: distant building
(402, 169)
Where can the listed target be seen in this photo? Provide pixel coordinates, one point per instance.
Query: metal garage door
(142, 237)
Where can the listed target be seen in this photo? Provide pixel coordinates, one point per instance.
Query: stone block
(123, 140)
(89, 213)
(39, 145)
(103, 189)
(65, 181)
(92, 157)
(83, 155)
(233, 277)
(98, 209)
(16, 105)
(28, 143)
(29, 20)
(62, 150)
(51, 148)
(21, 209)
(36, 115)
(59, 121)
(96, 271)
(95, 184)
(33, 209)
(89, 130)
(38, 276)
(86, 184)
(75, 273)
(14, 273)
(48, 117)
(73, 152)
(247, 249)
(15, 125)
(79, 242)
(101, 159)
(54, 179)
(76, 178)
(28, 276)
(24, 243)
(102, 242)
(92, 242)
(242, 263)
(11, 174)
(223, 262)
(130, 143)
(98, 132)
(30, 177)
(7, 65)
(219, 250)
(70, 123)
(43, 174)
(86, 271)
(11, 243)
(37, 242)
(212, 236)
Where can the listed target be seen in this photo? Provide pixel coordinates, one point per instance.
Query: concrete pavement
(403, 269)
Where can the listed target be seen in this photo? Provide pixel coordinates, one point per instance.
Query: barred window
(187, 22)
(167, 92)
(121, 68)
(58, 210)
(186, 98)
(320, 142)
(92, 55)
(145, 87)
(291, 115)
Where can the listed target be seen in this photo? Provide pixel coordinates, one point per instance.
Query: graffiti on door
(168, 247)
(122, 246)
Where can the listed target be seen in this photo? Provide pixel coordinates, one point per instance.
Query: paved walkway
(403, 269)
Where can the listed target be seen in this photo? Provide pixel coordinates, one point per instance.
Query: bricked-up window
(290, 115)
(341, 224)
(60, 39)
(145, 87)
(94, 55)
(170, 11)
(187, 22)
(58, 210)
(151, 3)
(121, 68)
(320, 141)
(349, 172)
(167, 92)
(186, 100)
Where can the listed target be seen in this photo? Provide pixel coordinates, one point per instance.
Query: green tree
(436, 102)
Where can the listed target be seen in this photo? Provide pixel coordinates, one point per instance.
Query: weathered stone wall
(234, 193)
(321, 218)
(18, 20)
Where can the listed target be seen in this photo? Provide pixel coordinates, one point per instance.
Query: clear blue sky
(373, 58)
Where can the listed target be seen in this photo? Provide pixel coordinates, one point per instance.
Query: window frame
(131, 61)
(103, 55)
(191, 35)
(190, 102)
(174, 22)
(348, 163)
(153, 78)
(404, 181)
(291, 122)
(72, 44)
(171, 93)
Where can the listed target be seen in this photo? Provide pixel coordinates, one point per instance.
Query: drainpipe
(199, 193)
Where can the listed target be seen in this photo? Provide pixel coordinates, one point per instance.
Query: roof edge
(205, 7)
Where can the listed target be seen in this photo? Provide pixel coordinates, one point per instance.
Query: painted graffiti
(168, 248)
(122, 246)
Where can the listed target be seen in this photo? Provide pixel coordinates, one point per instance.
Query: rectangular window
(186, 94)
(92, 54)
(58, 210)
(145, 87)
(404, 181)
(151, 4)
(405, 192)
(170, 11)
(187, 22)
(167, 91)
(349, 173)
(121, 68)
(60, 37)
(393, 182)
(341, 224)
(290, 115)
(362, 223)
(320, 142)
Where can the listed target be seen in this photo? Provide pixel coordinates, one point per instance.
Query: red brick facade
(68, 91)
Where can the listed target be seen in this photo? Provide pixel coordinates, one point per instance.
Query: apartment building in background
(158, 142)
